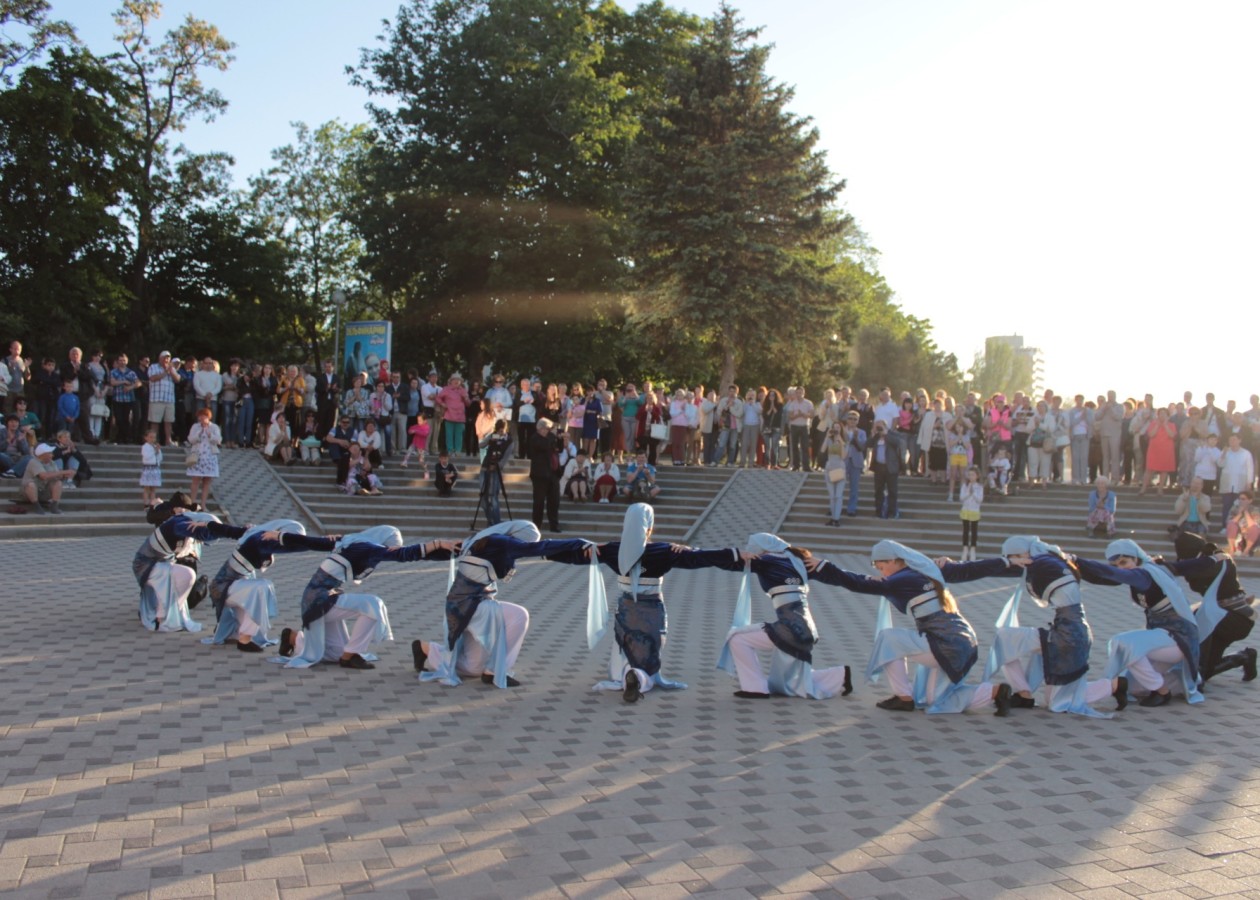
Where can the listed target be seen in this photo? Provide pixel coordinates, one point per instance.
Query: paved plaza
(139, 764)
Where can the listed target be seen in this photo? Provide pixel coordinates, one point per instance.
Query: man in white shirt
(428, 391)
(886, 410)
(1238, 474)
(498, 393)
(799, 412)
(730, 415)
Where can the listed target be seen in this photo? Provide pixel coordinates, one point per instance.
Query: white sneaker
(603, 500)
(69, 486)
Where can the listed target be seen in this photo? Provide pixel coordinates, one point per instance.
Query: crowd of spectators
(604, 443)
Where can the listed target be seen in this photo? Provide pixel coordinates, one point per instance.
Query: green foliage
(38, 33)
(302, 201)
(61, 247)
(1001, 370)
(730, 206)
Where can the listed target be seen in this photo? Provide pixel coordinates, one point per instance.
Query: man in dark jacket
(544, 473)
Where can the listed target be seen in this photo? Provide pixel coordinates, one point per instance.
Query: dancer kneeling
(340, 627)
(1170, 641)
(244, 601)
(1057, 655)
(165, 583)
(484, 634)
(782, 571)
(634, 664)
(1227, 613)
(942, 641)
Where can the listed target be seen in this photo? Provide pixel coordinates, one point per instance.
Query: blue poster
(367, 350)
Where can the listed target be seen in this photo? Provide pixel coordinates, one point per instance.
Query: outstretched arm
(828, 572)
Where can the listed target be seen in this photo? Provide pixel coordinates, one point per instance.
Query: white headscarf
(203, 517)
(1160, 575)
(634, 534)
(1030, 544)
(762, 543)
(385, 535)
(912, 558)
(521, 529)
(284, 526)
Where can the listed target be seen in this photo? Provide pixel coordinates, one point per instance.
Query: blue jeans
(728, 446)
(245, 422)
(852, 472)
(227, 419)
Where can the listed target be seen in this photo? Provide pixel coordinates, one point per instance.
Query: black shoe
(356, 662)
(1018, 702)
(286, 642)
(1249, 664)
(556, 529)
(896, 704)
(198, 593)
(248, 647)
(848, 682)
(418, 656)
(1002, 700)
(752, 695)
(487, 678)
(1156, 699)
(1121, 693)
(630, 692)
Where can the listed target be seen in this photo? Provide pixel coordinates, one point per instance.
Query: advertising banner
(367, 347)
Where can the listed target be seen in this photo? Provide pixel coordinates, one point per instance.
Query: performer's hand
(271, 535)
(746, 556)
(942, 561)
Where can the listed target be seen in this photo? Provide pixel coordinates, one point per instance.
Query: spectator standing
(265, 400)
(1161, 458)
(526, 416)
(1080, 423)
(730, 415)
(381, 411)
(163, 377)
(452, 401)
(544, 473)
(1109, 423)
(971, 497)
(141, 421)
(327, 396)
(204, 439)
(15, 366)
(799, 412)
(428, 399)
(207, 385)
(885, 462)
(290, 396)
(855, 442)
(67, 410)
(123, 382)
(1238, 474)
(229, 400)
(150, 467)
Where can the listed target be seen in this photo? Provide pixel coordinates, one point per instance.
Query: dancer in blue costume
(1057, 655)
(483, 633)
(340, 626)
(942, 641)
(244, 601)
(634, 663)
(1170, 640)
(782, 571)
(1227, 613)
(165, 583)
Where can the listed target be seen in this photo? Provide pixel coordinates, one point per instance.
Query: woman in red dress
(1161, 453)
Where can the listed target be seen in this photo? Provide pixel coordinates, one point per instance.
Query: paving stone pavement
(137, 764)
(250, 491)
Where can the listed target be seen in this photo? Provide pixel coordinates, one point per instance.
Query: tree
(166, 92)
(730, 208)
(490, 200)
(302, 200)
(1000, 370)
(62, 249)
(32, 17)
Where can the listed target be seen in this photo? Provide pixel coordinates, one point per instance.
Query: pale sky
(1080, 173)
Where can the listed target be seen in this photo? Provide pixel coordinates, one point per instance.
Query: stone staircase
(702, 506)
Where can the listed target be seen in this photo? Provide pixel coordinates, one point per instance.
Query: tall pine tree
(731, 213)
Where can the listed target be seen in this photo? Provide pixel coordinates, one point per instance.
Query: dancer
(781, 569)
(244, 601)
(942, 640)
(634, 663)
(1058, 654)
(1227, 613)
(483, 633)
(1171, 637)
(340, 626)
(165, 583)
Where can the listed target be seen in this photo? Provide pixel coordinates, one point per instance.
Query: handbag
(659, 431)
(1062, 440)
(836, 474)
(98, 408)
(191, 459)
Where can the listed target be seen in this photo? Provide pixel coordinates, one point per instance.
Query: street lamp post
(339, 300)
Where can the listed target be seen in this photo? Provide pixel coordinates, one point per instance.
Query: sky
(1082, 174)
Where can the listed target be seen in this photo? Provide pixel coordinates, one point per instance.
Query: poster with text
(367, 350)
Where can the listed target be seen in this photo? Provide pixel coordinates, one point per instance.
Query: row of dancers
(925, 666)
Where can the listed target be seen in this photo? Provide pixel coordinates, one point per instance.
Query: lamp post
(339, 300)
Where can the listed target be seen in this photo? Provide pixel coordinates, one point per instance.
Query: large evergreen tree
(731, 208)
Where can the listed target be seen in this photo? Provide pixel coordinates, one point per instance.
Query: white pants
(1149, 670)
(1096, 690)
(744, 646)
(335, 643)
(899, 680)
(473, 657)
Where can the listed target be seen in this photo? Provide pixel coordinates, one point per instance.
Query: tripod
(488, 499)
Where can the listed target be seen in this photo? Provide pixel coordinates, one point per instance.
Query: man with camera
(544, 473)
(163, 376)
(498, 447)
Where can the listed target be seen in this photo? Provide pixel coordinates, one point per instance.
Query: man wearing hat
(42, 480)
(163, 376)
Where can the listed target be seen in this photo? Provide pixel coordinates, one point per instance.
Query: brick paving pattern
(137, 764)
